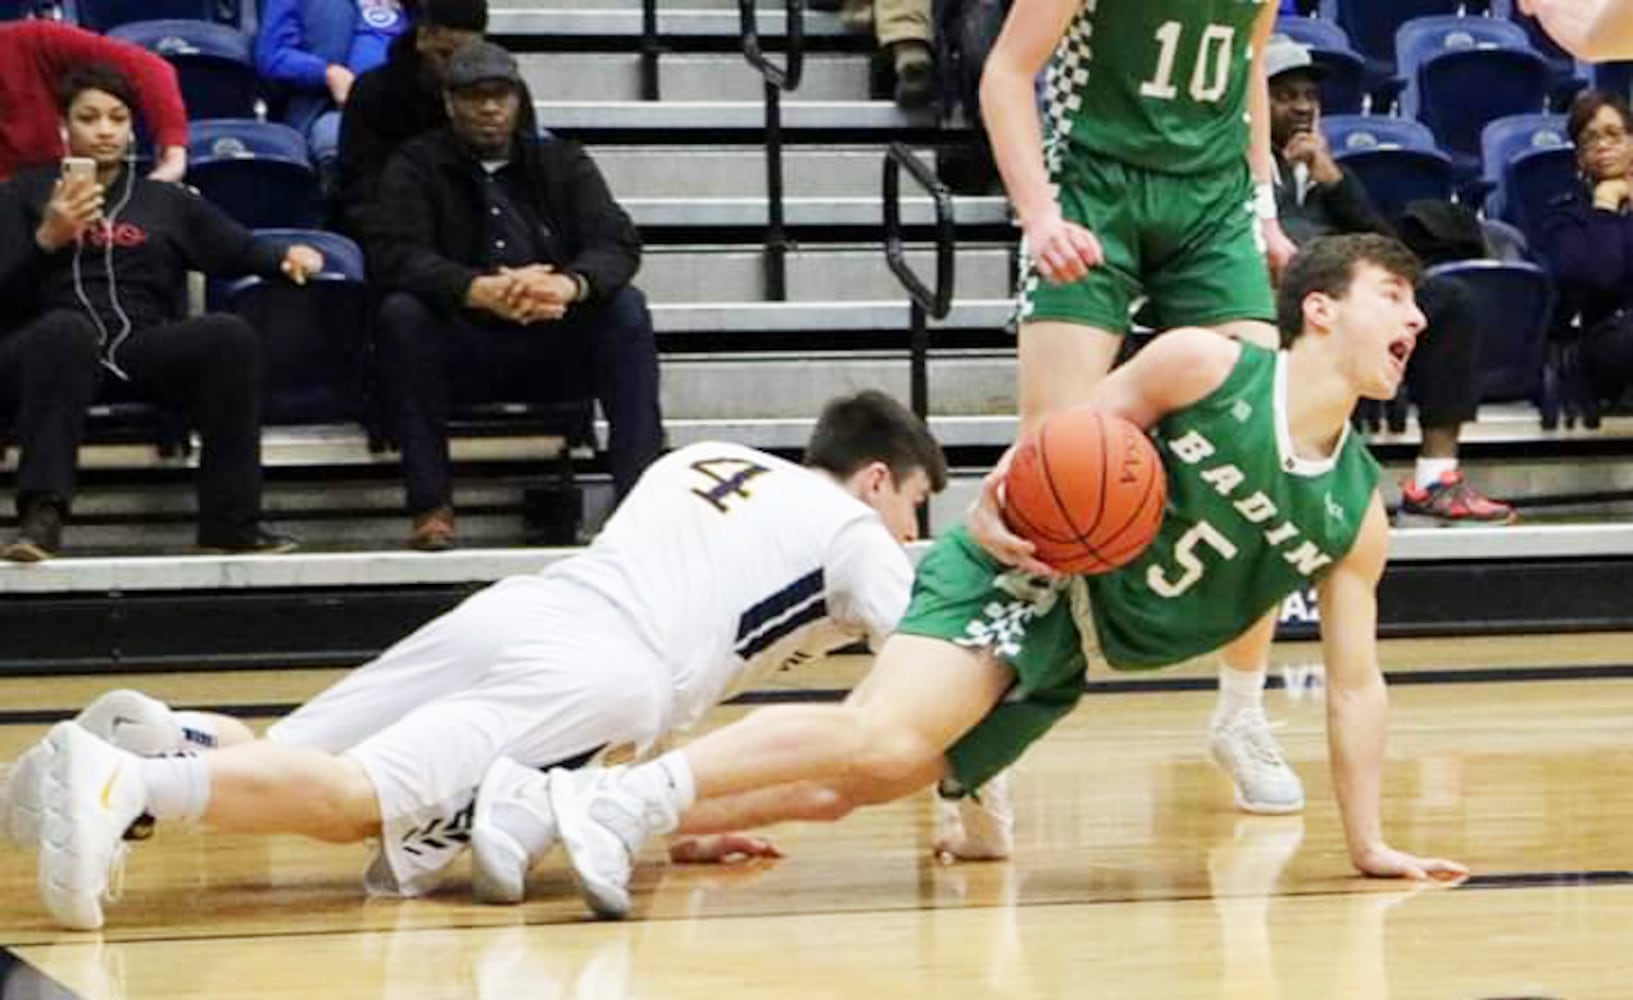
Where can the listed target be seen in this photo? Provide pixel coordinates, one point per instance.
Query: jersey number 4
(729, 476)
(1211, 75)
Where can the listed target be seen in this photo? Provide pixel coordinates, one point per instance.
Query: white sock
(177, 787)
(199, 729)
(1428, 471)
(1238, 690)
(668, 780)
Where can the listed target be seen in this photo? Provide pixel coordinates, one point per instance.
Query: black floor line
(1476, 883)
(1099, 686)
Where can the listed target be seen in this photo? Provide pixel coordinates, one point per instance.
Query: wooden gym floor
(1134, 876)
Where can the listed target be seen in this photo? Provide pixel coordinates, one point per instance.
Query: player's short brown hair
(1327, 265)
(856, 431)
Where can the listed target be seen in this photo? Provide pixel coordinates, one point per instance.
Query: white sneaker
(22, 795)
(130, 720)
(90, 793)
(127, 719)
(501, 861)
(972, 830)
(603, 824)
(1243, 745)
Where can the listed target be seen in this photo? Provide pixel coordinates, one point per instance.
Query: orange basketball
(1087, 490)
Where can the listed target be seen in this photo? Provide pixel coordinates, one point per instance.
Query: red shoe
(1453, 500)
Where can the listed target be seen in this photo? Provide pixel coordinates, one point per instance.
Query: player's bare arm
(1358, 706)
(1589, 29)
(1062, 251)
(1278, 249)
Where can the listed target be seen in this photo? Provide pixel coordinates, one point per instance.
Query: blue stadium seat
(1371, 26)
(259, 172)
(1394, 159)
(1565, 76)
(1528, 160)
(1351, 133)
(213, 62)
(1515, 303)
(105, 15)
(1462, 73)
(1612, 78)
(313, 337)
(1344, 85)
(16, 10)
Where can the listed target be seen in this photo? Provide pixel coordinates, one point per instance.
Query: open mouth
(1400, 350)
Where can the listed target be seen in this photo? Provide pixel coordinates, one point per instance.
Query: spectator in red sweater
(34, 55)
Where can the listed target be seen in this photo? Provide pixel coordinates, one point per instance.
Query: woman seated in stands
(1586, 238)
(93, 263)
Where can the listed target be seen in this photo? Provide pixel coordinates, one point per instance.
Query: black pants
(208, 368)
(1443, 375)
(429, 360)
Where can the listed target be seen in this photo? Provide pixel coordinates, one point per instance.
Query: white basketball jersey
(733, 563)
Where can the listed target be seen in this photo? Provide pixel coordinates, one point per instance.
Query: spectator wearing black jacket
(1315, 197)
(98, 268)
(1586, 237)
(393, 103)
(508, 264)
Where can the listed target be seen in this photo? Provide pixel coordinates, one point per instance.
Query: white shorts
(537, 669)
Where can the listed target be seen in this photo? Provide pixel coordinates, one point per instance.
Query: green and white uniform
(1248, 522)
(1145, 139)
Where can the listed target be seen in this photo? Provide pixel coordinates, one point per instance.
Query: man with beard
(507, 264)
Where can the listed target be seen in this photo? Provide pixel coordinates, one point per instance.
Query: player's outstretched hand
(721, 849)
(985, 520)
(1061, 251)
(1384, 861)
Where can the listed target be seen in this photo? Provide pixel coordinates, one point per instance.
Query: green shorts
(1190, 242)
(962, 595)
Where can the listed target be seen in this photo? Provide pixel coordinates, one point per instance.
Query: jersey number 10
(1211, 75)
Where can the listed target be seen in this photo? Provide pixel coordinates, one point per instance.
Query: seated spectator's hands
(506, 296)
(1310, 148)
(339, 80)
(986, 524)
(171, 166)
(1612, 194)
(301, 262)
(75, 206)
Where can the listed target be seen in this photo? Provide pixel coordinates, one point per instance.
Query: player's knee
(351, 806)
(893, 762)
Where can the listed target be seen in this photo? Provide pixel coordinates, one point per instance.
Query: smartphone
(78, 168)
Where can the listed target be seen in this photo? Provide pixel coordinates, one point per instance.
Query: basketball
(1087, 490)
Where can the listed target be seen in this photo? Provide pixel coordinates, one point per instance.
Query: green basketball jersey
(1159, 84)
(1247, 523)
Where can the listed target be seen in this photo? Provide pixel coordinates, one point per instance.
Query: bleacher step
(715, 171)
(684, 119)
(725, 76)
(709, 274)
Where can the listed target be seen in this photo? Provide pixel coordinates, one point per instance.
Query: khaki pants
(893, 20)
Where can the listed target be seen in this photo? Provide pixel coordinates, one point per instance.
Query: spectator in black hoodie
(98, 267)
(391, 104)
(508, 265)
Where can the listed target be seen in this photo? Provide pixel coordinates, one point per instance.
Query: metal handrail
(935, 302)
(786, 76)
(650, 50)
(777, 80)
